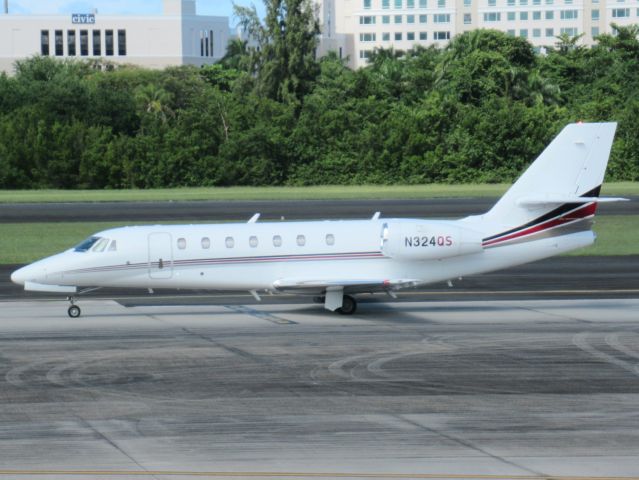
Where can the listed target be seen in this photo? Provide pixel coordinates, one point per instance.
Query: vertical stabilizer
(572, 166)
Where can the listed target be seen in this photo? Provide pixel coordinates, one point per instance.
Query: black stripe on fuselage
(565, 208)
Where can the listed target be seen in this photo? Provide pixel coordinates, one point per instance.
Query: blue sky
(204, 7)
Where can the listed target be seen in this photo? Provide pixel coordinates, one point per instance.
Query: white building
(177, 37)
(356, 27)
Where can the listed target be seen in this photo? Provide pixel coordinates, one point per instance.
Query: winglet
(376, 216)
(254, 218)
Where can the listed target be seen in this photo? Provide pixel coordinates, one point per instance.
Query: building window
(410, 3)
(510, 16)
(229, 242)
(423, 35)
(423, 3)
(492, 3)
(385, 3)
(365, 54)
(468, 3)
(277, 241)
(71, 43)
(536, 32)
(367, 20)
(367, 37)
(398, 36)
(511, 3)
(330, 239)
(441, 35)
(441, 18)
(549, 2)
(594, 32)
(97, 43)
(398, 3)
(423, 18)
(620, 12)
(211, 44)
(253, 242)
(59, 43)
(550, 14)
(510, 32)
(523, 2)
(301, 240)
(492, 17)
(206, 243)
(594, 14)
(44, 42)
(572, 31)
(398, 19)
(570, 14)
(441, 4)
(467, 19)
(550, 32)
(367, 4)
(385, 37)
(523, 15)
(410, 18)
(122, 43)
(181, 243)
(537, 15)
(523, 33)
(567, 2)
(386, 19)
(536, 2)
(84, 43)
(410, 36)
(108, 41)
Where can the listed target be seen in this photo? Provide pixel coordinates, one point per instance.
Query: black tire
(349, 306)
(74, 311)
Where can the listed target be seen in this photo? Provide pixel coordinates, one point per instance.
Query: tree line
(478, 110)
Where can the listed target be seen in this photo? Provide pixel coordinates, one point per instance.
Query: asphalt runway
(271, 210)
(507, 389)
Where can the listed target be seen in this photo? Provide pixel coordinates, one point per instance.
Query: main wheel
(74, 311)
(349, 306)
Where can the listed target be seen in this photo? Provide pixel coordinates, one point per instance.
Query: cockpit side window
(100, 245)
(86, 244)
(113, 247)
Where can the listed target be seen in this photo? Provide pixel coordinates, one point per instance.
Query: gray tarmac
(271, 210)
(505, 389)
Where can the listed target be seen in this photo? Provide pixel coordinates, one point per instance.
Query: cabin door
(160, 255)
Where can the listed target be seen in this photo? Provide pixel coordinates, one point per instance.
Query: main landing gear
(349, 306)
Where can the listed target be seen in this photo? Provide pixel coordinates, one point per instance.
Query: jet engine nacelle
(422, 240)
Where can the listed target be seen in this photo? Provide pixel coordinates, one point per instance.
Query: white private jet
(547, 212)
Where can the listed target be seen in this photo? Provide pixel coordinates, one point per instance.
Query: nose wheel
(73, 311)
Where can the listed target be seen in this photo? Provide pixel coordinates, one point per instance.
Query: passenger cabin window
(253, 241)
(277, 241)
(301, 240)
(206, 243)
(181, 243)
(330, 239)
(230, 243)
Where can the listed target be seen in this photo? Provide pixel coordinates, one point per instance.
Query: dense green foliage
(476, 111)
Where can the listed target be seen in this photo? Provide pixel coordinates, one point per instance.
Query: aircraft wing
(350, 285)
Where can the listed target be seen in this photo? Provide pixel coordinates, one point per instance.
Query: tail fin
(560, 187)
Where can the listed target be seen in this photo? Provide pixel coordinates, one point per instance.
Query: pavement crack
(469, 445)
(85, 423)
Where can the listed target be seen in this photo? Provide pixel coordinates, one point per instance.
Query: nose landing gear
(73, 311)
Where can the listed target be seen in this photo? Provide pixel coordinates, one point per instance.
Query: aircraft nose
(18, 276)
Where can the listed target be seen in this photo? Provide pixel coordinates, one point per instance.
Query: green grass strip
(26, 242)
(325, 192)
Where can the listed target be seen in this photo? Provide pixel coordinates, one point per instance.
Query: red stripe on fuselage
(578, 214)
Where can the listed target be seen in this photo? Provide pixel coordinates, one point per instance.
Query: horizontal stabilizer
(39, 287)
(561, 199)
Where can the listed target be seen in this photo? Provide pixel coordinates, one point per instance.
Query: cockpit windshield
(97, 244)
(86, 244)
